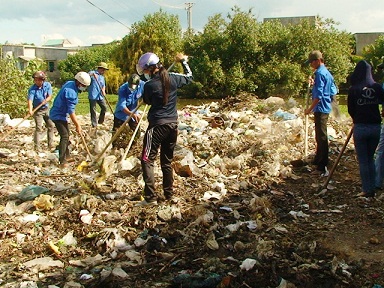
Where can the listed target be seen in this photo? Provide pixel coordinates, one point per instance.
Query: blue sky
(83, 24)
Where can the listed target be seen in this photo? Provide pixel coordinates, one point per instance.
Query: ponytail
(165, 83)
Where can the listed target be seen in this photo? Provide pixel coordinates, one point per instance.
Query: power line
(108, 14)
(169, 6)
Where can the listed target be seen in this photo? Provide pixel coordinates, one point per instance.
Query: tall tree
(159, 33)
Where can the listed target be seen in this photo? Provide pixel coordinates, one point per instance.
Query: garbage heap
(79, 226)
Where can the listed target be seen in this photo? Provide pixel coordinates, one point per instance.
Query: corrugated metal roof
(54, 42)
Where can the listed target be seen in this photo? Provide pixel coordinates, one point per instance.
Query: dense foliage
(87, 60)
(159, 33)
(374, 54)
(14, 85)
(232, 54)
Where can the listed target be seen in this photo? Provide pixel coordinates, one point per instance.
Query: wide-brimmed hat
(103, 65)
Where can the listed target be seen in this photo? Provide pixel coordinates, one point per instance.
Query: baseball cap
(314, 55)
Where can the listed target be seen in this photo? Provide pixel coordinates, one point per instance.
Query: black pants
(92, 110)
(63, 129)
(321, 135)
(163, 137)
(117, 124)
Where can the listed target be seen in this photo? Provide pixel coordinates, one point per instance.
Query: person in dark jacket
(364, 97)
(160, 91)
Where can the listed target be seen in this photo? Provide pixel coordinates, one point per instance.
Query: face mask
(82, 88)
(147, 76)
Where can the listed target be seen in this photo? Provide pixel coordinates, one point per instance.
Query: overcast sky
(82, 23)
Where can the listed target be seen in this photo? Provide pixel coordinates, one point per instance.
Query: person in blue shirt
(39, 94)
(96, 93)
(364, 97)
(129, 94)
(323, 90)
(64, 106)
(379, 160)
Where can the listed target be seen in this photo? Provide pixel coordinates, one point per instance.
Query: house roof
(53, 42)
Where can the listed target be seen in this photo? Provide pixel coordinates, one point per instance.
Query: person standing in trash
(379, 160)
(39, 94)
(129, 94)
(160, 91)
(323, 90)
(96, 92)
(364, 98)
(64, 105)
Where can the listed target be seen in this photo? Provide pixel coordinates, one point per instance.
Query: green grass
(83, 107)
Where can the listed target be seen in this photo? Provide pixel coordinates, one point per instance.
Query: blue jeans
(366, 138)
(379, 161)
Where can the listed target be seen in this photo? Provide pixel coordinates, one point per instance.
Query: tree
(14, 85)
(264, 58)
(86, 60)
(159, 33)
(374, 54)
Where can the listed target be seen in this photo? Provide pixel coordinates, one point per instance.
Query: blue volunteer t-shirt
(323, 89)
(94, 91)
(65, 102)
(128, 99)
(38, 94)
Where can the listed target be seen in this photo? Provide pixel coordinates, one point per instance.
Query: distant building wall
(293, 20)
(364, 39)
(51, 55)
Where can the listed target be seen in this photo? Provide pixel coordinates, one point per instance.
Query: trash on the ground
(31, 192)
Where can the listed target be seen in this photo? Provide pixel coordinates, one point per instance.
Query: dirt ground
(293, 233)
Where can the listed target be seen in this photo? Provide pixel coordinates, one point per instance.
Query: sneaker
(150, 202)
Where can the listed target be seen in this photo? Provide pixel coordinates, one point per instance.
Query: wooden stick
(324, 186)
(133, 135)
(117, 133)
(25, 118)
(86, 146)
(306, 123)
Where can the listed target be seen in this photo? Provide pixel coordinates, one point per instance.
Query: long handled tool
(324, 186)
(102, 93)
(133, 135)
(86, 146)
(25, 118)
(306, 122)
(117, 133)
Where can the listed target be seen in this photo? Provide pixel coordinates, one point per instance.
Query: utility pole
(188, 7)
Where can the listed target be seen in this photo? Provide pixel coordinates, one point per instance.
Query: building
(365, 39)
(52, 52)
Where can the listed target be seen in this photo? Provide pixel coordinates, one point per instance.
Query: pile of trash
(229, 224)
